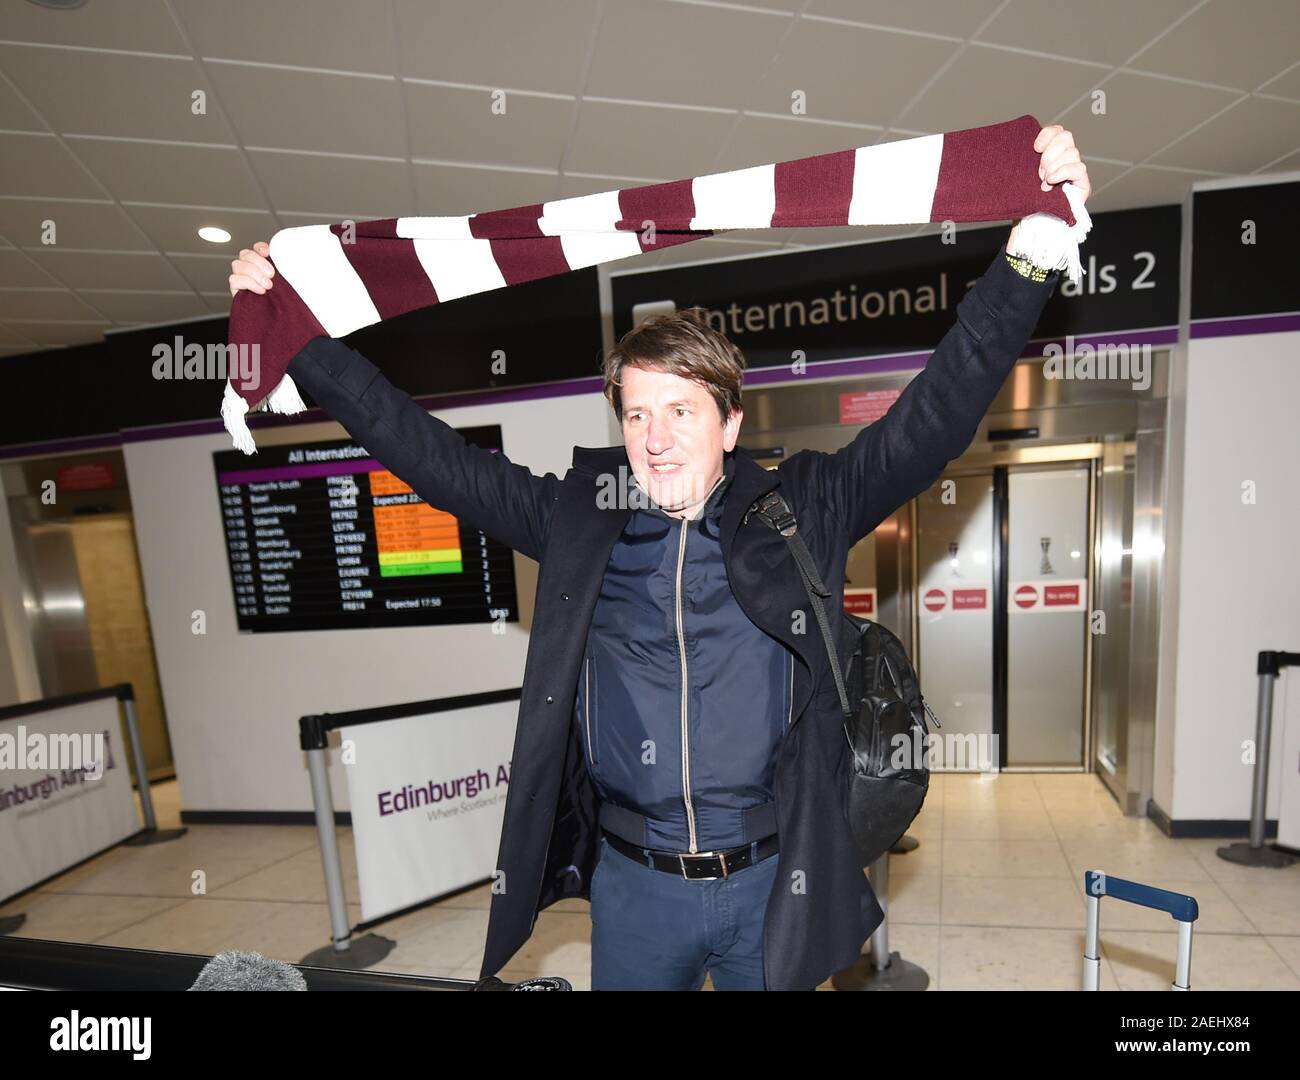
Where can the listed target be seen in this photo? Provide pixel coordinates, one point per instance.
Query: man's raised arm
(936, 416)
(483, 488)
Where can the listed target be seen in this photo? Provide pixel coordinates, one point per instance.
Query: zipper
(681, 652)
(790, 715)
(586, 707)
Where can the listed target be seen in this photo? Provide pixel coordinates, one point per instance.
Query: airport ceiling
(322, 110)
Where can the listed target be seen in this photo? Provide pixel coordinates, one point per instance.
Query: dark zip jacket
(682, 700)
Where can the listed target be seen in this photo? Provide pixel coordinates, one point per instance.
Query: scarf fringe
(1047, 241)
(284, 399)
(234, 410)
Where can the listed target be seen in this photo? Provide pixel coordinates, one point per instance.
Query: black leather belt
(701, 866)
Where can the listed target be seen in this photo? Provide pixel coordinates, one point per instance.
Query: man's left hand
(1060, 161)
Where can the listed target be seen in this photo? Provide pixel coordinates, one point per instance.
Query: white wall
(233, 700)
(1232, 571)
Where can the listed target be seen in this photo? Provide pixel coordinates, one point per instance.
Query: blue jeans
(656, 931)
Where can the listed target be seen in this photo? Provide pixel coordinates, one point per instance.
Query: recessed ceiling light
(213, 235)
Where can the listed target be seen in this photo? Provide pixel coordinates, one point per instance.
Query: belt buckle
(721, 856)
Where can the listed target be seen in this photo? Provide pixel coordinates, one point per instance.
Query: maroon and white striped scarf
(333, 279)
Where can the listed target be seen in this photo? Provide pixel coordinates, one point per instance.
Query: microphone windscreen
(235, 970)
(544, 982)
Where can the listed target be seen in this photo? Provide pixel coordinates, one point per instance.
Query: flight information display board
(320, 536)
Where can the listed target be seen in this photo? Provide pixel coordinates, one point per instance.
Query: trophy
(952, 559)
(1045, 567)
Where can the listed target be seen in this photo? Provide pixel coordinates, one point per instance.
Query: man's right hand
(252, 270)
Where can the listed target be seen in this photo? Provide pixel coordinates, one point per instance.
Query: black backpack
(884, 712)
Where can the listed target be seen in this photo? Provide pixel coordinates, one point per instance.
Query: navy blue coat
(822, 908)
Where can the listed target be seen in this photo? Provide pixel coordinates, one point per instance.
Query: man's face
(675, 438)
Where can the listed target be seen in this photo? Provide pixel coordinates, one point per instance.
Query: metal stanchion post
(1255, 853)
(878, 968)
(344, 951)
(152, 834)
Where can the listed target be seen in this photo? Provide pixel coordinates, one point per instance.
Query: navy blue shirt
(682, 701)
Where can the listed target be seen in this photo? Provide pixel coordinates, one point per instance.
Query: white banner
(428, 797)
(59, 802)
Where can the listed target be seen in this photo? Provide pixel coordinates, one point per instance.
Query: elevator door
(954, 606)
(1047, 595)
(1006, 679)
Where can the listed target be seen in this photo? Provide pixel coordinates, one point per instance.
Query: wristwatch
(1022, 266)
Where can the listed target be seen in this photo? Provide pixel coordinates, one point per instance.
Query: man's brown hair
(681, 343)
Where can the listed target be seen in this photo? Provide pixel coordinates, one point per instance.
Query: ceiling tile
(847, 234)
(40, 166)
(76, 224)
(18, 270)
(306, 110)
(43, 305)
(205, 273)
(1144, 187)
(767, 237)
(644, 140)
(158, 172)
(1110, 31)
(123, 307)
(15, 114)
(1101, 173)
(1227, 43)
(1286, 85)
(374, 108)
(12, 337)
(711, 248)
(109, 270)
(756, 140)
(62, 333)
(460, 125)
(442, 190)
(218, 303)
(987, 86)
(20, 350)
(541, 45)
(86, 92)
(145, 25)
(955, 18)
(1287, 164)
(1136, 107)
(347, 35)
(571, 187)
(648, 50)
(175, 229)
(818, 57)
(1245, 138)
(332, 187)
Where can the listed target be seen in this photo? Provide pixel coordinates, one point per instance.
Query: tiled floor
(991, 899)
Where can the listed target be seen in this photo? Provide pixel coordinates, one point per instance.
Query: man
(679, 759)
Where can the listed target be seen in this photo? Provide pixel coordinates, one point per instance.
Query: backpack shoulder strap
(773, 510)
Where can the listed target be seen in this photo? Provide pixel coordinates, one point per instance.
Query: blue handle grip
(1181, 907)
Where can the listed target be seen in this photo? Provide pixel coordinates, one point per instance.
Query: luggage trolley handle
(1181, 907)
